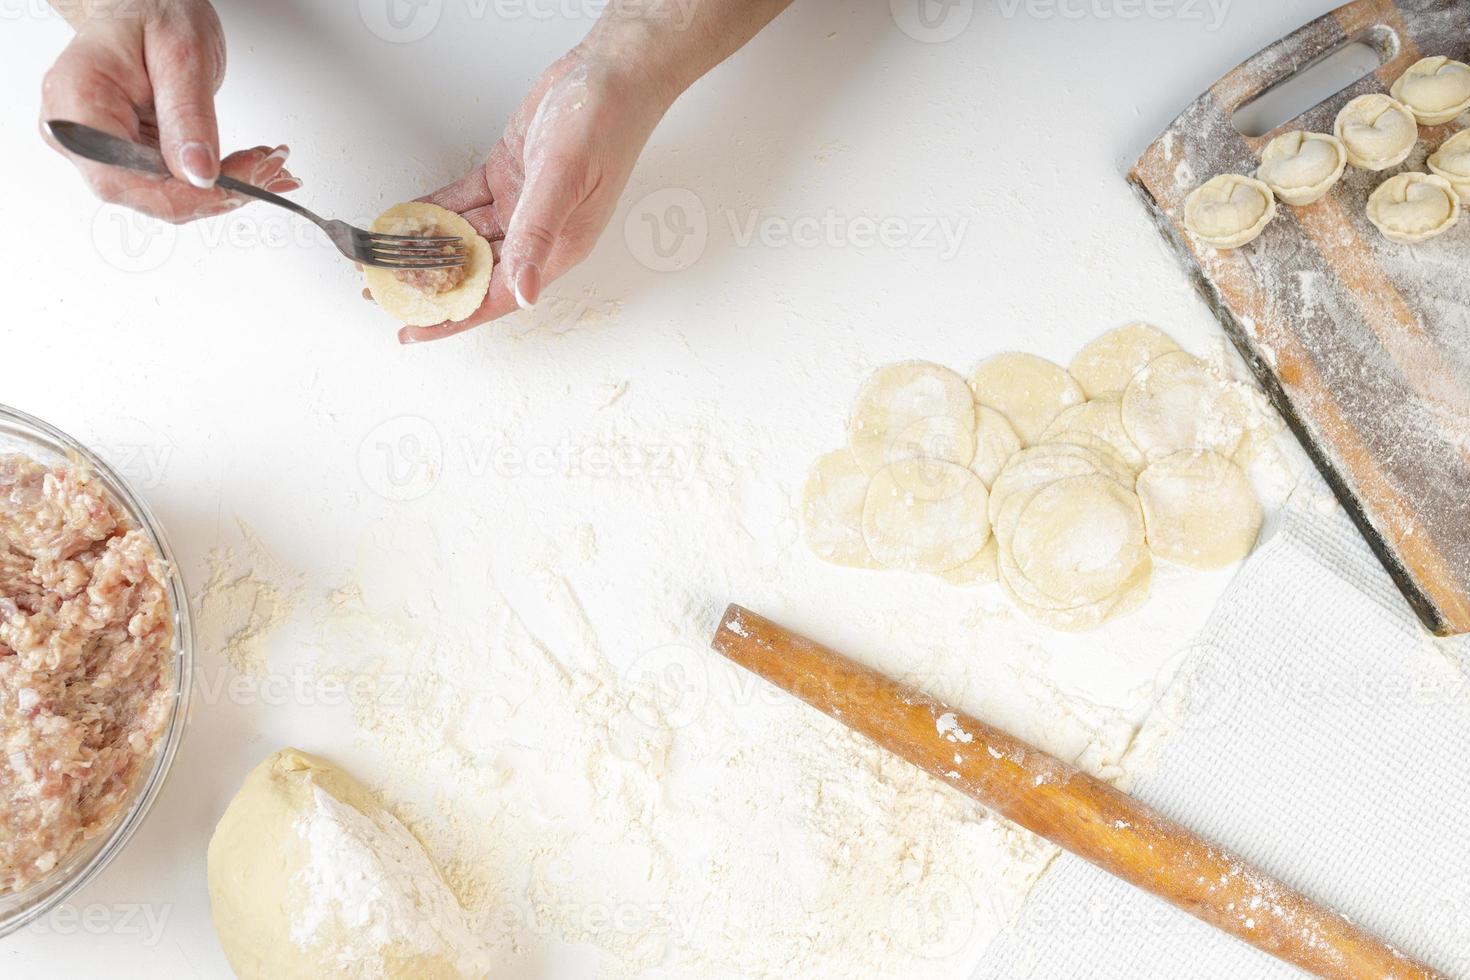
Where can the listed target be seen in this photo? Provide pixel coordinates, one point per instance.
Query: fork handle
(261, 194)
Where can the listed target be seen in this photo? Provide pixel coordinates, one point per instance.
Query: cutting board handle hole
(1318, 81)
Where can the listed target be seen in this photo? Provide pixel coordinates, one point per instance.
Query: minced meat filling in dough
(86, 639)
(429, 280)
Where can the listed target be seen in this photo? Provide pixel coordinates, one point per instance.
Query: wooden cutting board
(1363, 345)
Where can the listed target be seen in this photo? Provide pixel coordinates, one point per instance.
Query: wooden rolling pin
(1063, 804)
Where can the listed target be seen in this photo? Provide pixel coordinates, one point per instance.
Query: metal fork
(367, 247)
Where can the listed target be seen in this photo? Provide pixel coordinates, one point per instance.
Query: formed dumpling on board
(1301, 167)
(1378, 130)
(1436, 89)
(1229, 211)
(1414, 207)
(1452, 162)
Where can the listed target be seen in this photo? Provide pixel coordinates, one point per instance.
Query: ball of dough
(1452, 162)
(1107, 364)
(996, 442)
(310, 878)
(1199, 510)
(1301, 167)
(1029, 391)
(1178, 403)
(1435, 89)
(423, 300)
(912, 410)
(1378, 131)
(832, 511)
(1229, 211)
(925, 515)
(1413, 207)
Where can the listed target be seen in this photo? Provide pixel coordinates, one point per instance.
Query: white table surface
(238, 376)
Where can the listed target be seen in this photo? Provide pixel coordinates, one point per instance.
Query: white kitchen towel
(1318, 731)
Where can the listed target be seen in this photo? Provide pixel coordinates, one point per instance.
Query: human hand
(147, 71)
(549, 186)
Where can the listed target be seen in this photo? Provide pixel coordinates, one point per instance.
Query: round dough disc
(1199, 510)
(1178, 403)
(912, 410)
(1029, 391)
(832, 511)
(1106, 365)
(1034, 468)
(1097, 423)
(310, 878)
(995, 443)
(980, 570)
(1133, 594)
(924, 515)
(412, 305)
(1079, 540)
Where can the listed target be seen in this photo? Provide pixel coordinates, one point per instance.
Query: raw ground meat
(86, 636)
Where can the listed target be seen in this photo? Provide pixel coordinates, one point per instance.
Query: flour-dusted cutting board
(1363, 345)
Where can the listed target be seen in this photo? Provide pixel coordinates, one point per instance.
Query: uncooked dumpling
(1378, 130)
(310, 878)
(1229, 211)
(924, 515)
(912, 410)
(424, 297)
(1107, 364)
(1029, 391)
(1436, 89)
(1414, 207)
(996, 442)
(1301, 167)
(1199, 510)
(832, 511)
(1178, 403)
(1452, 162)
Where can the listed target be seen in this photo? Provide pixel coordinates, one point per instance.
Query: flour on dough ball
(1199, 510)
(1178, 403)
(832, 511)
(925, 515)
(911, 410)
(310, 878)
(1029, 391)
(1107, 364)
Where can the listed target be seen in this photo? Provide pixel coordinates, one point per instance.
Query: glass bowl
(21, 433)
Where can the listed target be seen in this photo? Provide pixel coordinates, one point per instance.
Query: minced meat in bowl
(94, 665)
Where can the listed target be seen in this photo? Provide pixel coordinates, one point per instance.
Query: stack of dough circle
(420, 307)
(1107, 364)
(1452, 162)
(925, 515)
(912, 410)
(832, 511)
(1378, 131)
(1413, 207)
(1436, 90)
(1029, 391)
(1043, 497)
(1301, 167)
(1199, 509)
(1229, 211)
(1178, 403)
